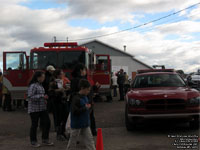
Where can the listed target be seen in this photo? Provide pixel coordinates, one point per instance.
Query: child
(80, 117)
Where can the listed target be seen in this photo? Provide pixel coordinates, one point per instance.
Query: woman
(37, 108)
(79, 72)
(60, 104)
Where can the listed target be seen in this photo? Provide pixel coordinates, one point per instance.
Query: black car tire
(194, 124)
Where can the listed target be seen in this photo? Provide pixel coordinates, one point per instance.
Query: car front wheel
(129, 125)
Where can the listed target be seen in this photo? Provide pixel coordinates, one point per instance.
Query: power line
(174, 20)
(138, 26)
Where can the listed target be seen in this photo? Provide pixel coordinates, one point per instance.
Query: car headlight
(135, 102)
(132, 102)
(194, 101)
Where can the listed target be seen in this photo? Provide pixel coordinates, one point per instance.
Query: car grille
(165, 104)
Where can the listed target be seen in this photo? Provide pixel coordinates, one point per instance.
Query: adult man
(120, 81)
(48, 78)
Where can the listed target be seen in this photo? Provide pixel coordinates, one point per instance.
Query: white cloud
(182, 27)
(22, 28)
(6, 2)
(110, 10)
(194, 14)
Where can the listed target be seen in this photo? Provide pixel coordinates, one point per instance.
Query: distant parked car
(161, 94)
(194, 80)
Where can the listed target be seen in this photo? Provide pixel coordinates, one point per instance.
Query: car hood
(163, 93)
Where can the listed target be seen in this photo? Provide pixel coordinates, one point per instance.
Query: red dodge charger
(161, 93)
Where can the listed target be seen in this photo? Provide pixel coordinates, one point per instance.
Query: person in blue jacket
(80, 117)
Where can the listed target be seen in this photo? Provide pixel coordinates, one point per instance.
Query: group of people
(120, 79)
(70, 101)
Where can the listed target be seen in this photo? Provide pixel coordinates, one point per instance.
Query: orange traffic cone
(99, 144)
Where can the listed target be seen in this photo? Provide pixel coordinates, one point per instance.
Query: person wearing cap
(120, 81)
(48, 78)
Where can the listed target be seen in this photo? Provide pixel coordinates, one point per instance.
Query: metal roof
(116, 49)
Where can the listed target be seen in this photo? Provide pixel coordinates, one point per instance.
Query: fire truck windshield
(68, 59)
(40, 60)
(62, 60)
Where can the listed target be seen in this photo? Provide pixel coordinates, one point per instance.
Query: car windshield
(158, 80)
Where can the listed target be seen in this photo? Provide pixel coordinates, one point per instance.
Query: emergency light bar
(73, 44)
(155, 70)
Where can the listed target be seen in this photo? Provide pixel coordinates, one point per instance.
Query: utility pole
(54, 39)
(124, 48)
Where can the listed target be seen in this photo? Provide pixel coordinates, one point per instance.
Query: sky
(173, 41)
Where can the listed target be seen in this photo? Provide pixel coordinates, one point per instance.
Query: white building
(119, 58)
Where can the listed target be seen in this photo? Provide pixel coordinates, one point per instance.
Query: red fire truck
(18, 68)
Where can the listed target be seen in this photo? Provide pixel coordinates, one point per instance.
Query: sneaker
(35, 144)
(47, 143)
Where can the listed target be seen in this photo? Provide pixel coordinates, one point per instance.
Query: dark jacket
(53, 94)
(120, 78)
(48, 79)
(74, 85)
(80, 117)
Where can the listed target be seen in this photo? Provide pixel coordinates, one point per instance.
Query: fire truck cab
(18, 68)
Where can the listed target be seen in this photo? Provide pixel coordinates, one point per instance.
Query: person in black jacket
(120, 81)
(48, 78)
(79, 72)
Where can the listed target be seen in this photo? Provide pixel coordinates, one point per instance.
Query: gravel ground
(14, 131)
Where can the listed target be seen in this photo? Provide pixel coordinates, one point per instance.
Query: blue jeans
(114, 90)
